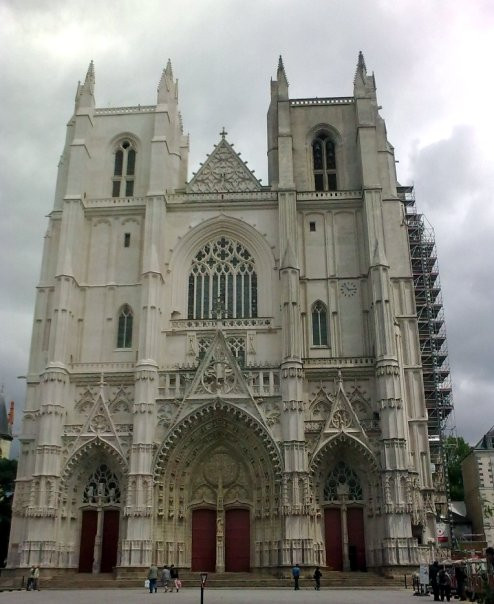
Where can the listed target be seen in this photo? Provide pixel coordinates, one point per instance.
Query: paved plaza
(213, 596)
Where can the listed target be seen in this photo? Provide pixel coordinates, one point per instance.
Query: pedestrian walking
(166, 578)
(317, 578)
(153, 578)
(30, 579)
(444, 585)
(296, 576)
(35, 585)
(175, 579)
(434, 580)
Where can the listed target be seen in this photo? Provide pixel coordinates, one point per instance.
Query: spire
(282, 79)
(85, 93)
(167, 89)
(363, 83)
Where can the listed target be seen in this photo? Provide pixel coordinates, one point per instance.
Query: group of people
(168, 575)
(316, 576)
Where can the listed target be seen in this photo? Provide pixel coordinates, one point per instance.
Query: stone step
(331, 579)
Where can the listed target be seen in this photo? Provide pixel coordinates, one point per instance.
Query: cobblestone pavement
(212, 596)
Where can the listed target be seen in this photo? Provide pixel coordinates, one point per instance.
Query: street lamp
(204, 577)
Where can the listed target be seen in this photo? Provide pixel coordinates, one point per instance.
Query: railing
(339, 362)
(115, 202)
(312, 195)
(175, 198)
(338, 100)
(116, 110)
(256, 322)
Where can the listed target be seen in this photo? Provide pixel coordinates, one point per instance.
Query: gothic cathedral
(225, 375)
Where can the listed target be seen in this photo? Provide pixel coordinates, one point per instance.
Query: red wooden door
(356, 538)
(237, 541)
(89, 527)
(332, 536)
(109, 544)
(204, 540)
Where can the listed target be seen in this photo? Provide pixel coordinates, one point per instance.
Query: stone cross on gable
(223, 133)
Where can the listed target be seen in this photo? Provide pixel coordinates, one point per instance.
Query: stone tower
(225, 375)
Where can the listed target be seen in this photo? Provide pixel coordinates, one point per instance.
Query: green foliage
(456, 449)
(8, 471)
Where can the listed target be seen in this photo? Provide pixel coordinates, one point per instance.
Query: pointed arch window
(324, 162)
(102, 487)
(342, 480)
(124, 170)
(222, 282)
(319, 324)
(125, 325)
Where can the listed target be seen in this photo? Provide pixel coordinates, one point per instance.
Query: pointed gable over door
(223, 172)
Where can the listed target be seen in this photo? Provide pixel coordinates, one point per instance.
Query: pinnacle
(169, 70)
(361, 70)
(90, 73)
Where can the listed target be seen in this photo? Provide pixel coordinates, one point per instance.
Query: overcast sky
(433, 62)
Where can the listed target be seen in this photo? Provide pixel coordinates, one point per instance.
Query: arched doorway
(219, 488)
(100, 520)
(344, 519)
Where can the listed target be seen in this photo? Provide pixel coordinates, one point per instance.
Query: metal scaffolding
(433, 344)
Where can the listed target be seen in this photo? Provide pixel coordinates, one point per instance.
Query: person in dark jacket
(317, 578)
(444, 585)
(434, 580)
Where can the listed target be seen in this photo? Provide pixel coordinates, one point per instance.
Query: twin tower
(225, 375)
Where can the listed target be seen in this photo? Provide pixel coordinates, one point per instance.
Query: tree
(8, 471)
(456, 449)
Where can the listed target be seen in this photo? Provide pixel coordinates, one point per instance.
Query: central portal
(208, 539)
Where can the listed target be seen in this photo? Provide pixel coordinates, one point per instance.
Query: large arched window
(324, 163)
(319, 324)
(222, 281)
(125, 324)
(124, 170)
(342, 481)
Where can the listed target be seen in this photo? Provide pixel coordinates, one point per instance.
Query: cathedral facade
(225, 376)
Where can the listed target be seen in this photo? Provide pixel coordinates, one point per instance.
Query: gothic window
(124, 170)
(222, 282)
(319, 324)
(324, 163)
(236, 344)
(342, 481)
(125, 323)
(102, 487)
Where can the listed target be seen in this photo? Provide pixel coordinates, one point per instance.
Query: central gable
(223, 172)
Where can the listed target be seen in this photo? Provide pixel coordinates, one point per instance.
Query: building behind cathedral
(225, 375)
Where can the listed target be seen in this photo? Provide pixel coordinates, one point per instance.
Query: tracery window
(236, 344)
(125, 324)
(124, 170)
(319, 324)
(324, 163)
(342, 479)
(102, 487)
(222, 282)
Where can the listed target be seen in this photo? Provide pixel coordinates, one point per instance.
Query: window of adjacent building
(125, 321)
(319, 324)
(124, 170)
(312, 227)
(126, 239)
(222, 282)
(324, 163)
